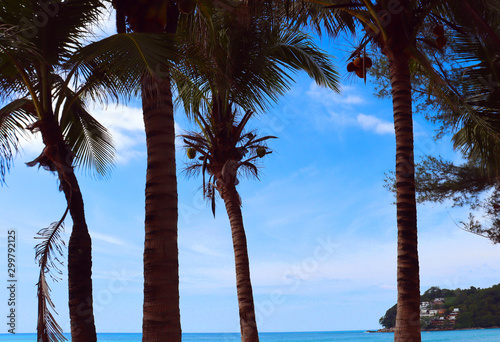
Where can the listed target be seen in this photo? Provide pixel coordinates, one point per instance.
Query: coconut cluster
(441, 40)
(359, 65)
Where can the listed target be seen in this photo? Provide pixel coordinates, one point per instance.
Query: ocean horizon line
(485, 335)
(260, 332)
(221, 332)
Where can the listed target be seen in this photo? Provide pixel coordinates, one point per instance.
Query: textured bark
(248, 325)
(79, 266)
(408, 283)
(80, 245)
(161, 318)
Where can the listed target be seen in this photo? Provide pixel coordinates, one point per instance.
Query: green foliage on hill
(479, 308)
(389, 319)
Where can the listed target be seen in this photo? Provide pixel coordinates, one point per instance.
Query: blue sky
(321, 228)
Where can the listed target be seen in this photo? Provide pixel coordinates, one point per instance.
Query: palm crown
(225, 149)
(246, 67)
(47, 72)
(32, 81)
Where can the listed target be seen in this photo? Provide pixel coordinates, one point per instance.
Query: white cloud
(347, 97)
(342, 108)
(125, 124)
(127, 128)
(120, 117)
(32, 145)
(372, 123)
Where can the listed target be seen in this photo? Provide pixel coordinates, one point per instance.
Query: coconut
(441, 42)
(187, 6)
(368, 62)
(351, 67)
(358, 62)
(360, 73)
(191, 153)
(261, 151)
(438, 30)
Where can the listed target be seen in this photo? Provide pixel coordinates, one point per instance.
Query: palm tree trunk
(161, 316)
(80, 246)
(248, 324)
(161, 320)
(79, 264)
(408, 283)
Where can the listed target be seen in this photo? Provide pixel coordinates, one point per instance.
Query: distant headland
(443, 309)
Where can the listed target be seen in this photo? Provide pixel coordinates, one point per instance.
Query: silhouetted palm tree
(47, 77)
(246, 68)
(399, 29)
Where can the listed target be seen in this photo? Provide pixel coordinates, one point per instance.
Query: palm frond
(17, 60)
(320, 16)
(250, 169)
(255, 142)
(47, 254)
(14, 119)
(190, 92)
(203, 171)
(91, 142)
(252, 64)
(65, 22)
(192, 170)
(116, 65)
(477, 127)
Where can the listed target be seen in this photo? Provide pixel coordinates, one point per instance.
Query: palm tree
(247, 71)
(67, 130)
(227, 150)
(37, 77)
(400, 29)
(161, 316)
(476, 81)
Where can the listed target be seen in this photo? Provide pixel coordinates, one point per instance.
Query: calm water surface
(484, 335)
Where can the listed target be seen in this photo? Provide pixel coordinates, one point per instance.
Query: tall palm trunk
(79, 265)
(161, 320)
(248, 325)
(161, 316)
(80, 245)
(408, 283)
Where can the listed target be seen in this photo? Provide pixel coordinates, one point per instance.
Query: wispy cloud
(108, 238)
(349, 95)
(111, 244)
(372, 123)
(345, 110)
(204, 250)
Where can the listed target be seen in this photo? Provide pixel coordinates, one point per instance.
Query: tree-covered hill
(478, 308)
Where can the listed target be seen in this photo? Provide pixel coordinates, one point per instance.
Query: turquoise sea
(483, 335)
